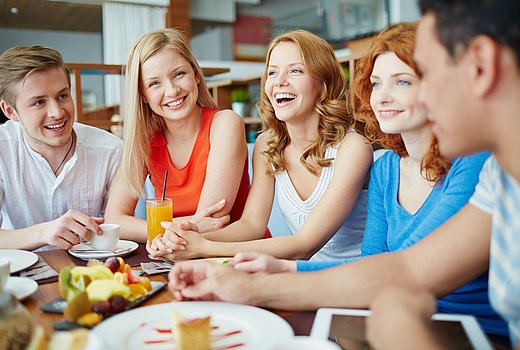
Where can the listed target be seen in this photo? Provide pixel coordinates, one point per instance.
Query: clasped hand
(182, 240)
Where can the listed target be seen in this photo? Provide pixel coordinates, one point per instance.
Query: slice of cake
(191, 334)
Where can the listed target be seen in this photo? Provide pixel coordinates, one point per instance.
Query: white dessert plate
(20, 259)
(234, 326)
(20, 287)
(123, 248)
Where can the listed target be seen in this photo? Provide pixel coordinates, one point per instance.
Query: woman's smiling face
(291, 89)
(169, 85)
(394, 97)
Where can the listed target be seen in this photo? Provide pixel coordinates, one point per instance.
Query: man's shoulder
(93, 137)
(9, 131)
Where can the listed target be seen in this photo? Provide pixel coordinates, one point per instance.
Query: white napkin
(154, 268)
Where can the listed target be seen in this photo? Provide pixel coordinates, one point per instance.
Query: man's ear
(482, 54)
(9, 111)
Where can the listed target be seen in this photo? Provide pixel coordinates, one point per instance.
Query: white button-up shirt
(30, 193)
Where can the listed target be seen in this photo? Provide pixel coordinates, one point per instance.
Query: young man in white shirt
(54, 173)
(469, 54)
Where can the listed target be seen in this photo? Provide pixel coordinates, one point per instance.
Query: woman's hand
(255, 262)
(152, 248)
(204, 220)
(179, 242)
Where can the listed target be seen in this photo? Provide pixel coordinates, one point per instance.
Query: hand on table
(400, 320)
(200, 280)
(254, 262)
(69, 229)
(172, 244)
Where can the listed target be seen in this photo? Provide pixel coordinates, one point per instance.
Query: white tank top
(346, 242)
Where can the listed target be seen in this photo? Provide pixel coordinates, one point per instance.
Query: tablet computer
(346, 327)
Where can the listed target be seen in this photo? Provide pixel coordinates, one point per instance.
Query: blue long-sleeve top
(390, 228)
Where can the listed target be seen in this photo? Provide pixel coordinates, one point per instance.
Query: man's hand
(198, 280)
(70, 229)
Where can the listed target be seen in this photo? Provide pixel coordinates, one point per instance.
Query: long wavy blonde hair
(334, 122)
(141, 123)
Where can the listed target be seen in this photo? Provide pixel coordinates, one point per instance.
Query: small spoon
(87, 250)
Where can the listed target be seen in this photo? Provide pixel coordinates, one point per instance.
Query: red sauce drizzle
(214, 337)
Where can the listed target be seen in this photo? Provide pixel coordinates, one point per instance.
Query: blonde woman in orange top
(172, 123)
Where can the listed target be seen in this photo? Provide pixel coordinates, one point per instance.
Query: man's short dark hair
(459, 21)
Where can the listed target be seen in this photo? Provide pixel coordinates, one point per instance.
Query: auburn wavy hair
(334, 122)
(399, 39)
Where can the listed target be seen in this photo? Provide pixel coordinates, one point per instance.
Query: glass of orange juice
(157, 210)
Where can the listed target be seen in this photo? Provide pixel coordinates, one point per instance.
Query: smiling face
(290, 88)
(169, 85)
(394, 97)
(44, 108)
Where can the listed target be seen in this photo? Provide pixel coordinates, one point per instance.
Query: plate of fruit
(92, 293)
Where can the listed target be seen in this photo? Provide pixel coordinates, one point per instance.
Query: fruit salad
(98, 290)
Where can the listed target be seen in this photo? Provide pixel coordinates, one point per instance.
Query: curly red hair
(400, 39)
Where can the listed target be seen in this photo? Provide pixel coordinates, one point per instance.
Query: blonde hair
(17, 63)
(141, 123)
(334, 122)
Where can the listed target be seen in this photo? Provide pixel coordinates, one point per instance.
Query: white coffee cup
(108, 240)
(5, 271)
(305, 343)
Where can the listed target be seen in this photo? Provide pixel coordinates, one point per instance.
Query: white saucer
(123, 248)
(20, 259)
(20, 287)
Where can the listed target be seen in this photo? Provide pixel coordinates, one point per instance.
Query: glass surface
(337, 20)
(157, 210)
(349, 333)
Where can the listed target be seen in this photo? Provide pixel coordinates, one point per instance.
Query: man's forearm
(351, 285)
(28, 238)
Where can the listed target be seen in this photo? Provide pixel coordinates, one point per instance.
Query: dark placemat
(134, 259)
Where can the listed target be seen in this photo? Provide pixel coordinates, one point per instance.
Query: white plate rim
(322, 321)
(85, 256)
(30, 284)
(20, 259)
(258, 319)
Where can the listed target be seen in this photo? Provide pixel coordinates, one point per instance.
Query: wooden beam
(179, 16)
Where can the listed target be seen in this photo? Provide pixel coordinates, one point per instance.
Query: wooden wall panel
(178, 16)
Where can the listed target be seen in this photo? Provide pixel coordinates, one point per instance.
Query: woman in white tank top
(308, 151)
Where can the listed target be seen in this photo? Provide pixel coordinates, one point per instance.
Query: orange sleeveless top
(185, 184)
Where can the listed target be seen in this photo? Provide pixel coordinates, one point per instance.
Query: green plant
(346, 71)
(239, 95)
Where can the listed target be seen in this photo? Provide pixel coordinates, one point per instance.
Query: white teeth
(55, 127)
(387, 113)
(284, 95)
(175, 103)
